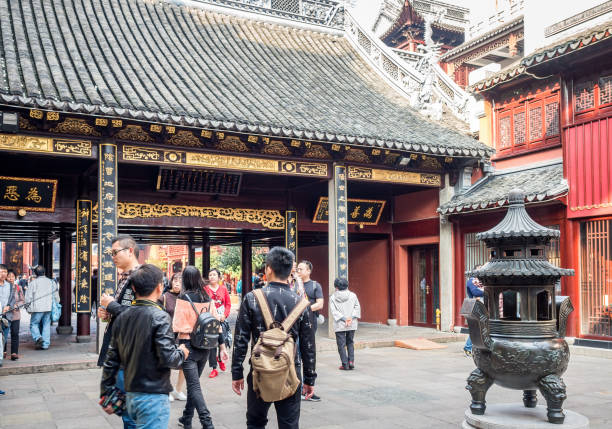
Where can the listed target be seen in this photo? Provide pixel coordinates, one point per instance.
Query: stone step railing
(399, 69)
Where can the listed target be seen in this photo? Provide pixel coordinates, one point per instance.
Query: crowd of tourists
(150, 332)
(37, 297)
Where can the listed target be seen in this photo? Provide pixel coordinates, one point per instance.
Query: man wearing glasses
(125, 257)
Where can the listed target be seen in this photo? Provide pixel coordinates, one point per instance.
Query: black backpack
(205, 333)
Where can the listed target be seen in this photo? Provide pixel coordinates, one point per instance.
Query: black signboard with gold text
(291, 231)
(362, 212)
(83, 256)
(342, 243)
(36, 195)
(107, 217)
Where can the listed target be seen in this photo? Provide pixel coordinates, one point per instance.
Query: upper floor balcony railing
(329, 13)
(409, 72)
(513, 10)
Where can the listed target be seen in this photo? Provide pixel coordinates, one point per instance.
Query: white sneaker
(170, 397)
(179, 396)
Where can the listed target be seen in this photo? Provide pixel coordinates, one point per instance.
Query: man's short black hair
(341, 283)
(39, 271)
(3, 267)
(127, 241)
(280, 260)
(145, 279)
(307, 263)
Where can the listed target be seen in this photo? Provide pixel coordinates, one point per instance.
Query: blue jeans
(36, 319)
(128, 422)
(468, 344)
(149, 410)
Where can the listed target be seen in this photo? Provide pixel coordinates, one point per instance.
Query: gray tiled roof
(539, 183)
(159, 62)
(518, 268)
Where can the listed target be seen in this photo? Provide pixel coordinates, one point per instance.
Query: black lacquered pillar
(83, 269)
(337, 232)
(291, 231)
(107, 223)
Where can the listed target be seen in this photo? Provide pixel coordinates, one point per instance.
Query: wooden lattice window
(535, 123)
(552, 119)
(476, 252)
(605, 90)
(584, 96)
(505, 132)
(593, 95)
(519, 128)
(595, 275)
(525, 124)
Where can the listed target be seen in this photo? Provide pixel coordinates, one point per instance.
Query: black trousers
(344, 341)
(212, 358)
(14, 327)
(287, 410)
(192, 368)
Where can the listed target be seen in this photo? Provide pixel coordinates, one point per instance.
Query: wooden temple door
(425, 288)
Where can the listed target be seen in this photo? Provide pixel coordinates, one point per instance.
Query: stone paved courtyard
(391, 388)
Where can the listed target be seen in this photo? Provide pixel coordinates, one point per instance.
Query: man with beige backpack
(274, 318)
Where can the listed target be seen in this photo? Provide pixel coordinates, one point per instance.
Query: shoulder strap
(192, 306)
(295, 314)
(264, 307)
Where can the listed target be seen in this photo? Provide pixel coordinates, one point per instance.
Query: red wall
(416, 206)
(588, 149)
(518, 161)
(368, 276)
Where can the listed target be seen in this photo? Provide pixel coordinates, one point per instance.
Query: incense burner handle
(564, 309)
(477, 317)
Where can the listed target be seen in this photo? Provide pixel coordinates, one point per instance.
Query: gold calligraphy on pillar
(107, 213)
(291, 231)
(83, 261)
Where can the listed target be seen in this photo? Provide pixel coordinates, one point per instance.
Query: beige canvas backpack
(273, 357)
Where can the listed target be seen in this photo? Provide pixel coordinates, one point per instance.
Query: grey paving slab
(390, 388)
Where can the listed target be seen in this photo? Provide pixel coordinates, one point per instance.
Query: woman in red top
(220, 296)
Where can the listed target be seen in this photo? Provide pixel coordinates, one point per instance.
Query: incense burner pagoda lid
(517, 225)
(512, 270)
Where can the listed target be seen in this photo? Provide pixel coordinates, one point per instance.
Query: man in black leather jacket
(250, 325)
(143, 344)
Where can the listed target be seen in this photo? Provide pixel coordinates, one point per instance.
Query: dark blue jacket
(473, 291)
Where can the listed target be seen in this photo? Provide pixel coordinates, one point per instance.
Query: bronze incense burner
(518, 332)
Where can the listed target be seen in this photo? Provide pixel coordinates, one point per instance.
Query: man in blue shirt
(473, 290)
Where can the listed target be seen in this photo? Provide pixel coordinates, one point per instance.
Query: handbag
(56, 307)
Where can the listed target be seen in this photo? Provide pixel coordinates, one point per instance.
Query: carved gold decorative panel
(271, 219)
(316, 151)
(393, 176)
(134, 133)
(276, 147)
(75, 126)
(231, 143)
(185, 138)
(22, 143)
(223, 162)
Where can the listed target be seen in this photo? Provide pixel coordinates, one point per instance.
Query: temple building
(202, 123)
(548, 116)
